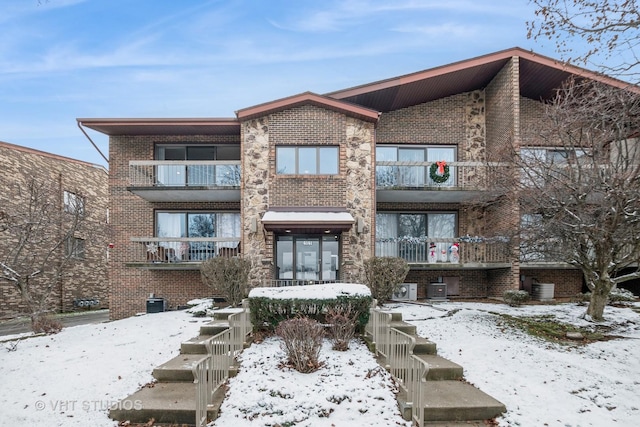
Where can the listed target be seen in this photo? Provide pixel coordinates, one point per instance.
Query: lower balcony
(447, 253)
(180, 253)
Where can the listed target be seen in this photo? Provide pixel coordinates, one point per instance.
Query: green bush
(621, 295)
(515, 298)
(384, 275)
(267, 313)
(228, 276)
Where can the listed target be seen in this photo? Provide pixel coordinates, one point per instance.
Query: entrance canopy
(302, 220)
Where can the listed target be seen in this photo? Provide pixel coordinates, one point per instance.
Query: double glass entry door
(307, 257)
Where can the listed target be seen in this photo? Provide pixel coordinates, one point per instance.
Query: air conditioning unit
(437, 291)
(406, 292)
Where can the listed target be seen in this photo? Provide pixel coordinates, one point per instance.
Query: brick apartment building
(87, 185)
(308, 187)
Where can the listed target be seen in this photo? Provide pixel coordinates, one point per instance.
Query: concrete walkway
(23, 324)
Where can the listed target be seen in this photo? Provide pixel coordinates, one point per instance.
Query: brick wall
(133, 216)
(87, 278)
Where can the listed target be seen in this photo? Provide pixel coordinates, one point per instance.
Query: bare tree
(608, 28)
(39, 234)
(578, 186)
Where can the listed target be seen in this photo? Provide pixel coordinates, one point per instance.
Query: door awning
(318, 221)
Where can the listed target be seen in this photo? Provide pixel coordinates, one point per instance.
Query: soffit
(193, 126)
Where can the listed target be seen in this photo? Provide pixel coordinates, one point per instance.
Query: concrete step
(167, 403)
(424, 346)
(195, 345)
(396, 316)
(178, 369)
(224, 313)
(403, 326)
(214, 328)
(458, 401)
(441, 369)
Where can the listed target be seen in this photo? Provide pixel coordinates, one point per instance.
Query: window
(412, 175)
(73, 203)
(407, 235)
(74, 248)
(195, 225)
(187, 171)
(307, 160)
(547, 163)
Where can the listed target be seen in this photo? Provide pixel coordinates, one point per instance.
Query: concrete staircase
(172, 399)
(451, 400)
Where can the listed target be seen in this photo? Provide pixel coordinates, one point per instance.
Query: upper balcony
(408, 181)
(185, 181)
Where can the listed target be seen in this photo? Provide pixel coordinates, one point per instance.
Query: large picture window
(408, 175)
(307, 160)
(195, 225)
(407, 235)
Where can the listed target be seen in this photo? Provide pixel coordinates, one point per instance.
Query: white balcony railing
(419, 250)
(182, 249)
(416, 175)
(187, 173)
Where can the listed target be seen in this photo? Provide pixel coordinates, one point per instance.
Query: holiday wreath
(439, 172)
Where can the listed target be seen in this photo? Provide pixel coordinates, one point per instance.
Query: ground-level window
(307, 257)
(74, 248)
(409, 235)
(193, 228)
(307, 160)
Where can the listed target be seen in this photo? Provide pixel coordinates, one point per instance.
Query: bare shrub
(228, 276)
(44, 324)
(342, 323)
(384, 275)
(301, 341)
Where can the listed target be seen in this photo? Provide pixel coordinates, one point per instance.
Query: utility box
(542, 291)
(437, 291)
(156, 305)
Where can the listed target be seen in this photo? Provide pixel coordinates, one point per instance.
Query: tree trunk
(599, 296)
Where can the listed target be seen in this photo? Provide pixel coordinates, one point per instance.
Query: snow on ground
(70, 379)
(541, 383)
(351, 389)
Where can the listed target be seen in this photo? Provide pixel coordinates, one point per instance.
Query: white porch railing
(184, 173)
(397, 349)
(419, 251)
(182, 249)
(212, 370)
(277, 283)
(408, 174)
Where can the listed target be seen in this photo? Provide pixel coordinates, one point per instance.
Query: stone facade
(86, 278)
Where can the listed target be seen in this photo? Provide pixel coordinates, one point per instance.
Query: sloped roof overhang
(539, 78)
(309, 98)
(158, 126)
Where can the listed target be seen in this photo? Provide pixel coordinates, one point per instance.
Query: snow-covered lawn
(69, 379)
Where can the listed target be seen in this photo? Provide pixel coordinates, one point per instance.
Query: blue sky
(64, 59)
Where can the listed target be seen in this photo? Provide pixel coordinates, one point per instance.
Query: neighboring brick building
(308, 187)
(86, 279)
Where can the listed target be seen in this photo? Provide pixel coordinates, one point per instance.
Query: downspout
(92, 143)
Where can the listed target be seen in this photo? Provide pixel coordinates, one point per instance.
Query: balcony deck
(185, 181)
(179, 253)
(411, 182)
(471, 254)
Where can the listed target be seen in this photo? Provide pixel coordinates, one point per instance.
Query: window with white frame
(307, 160)
(73, 203)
